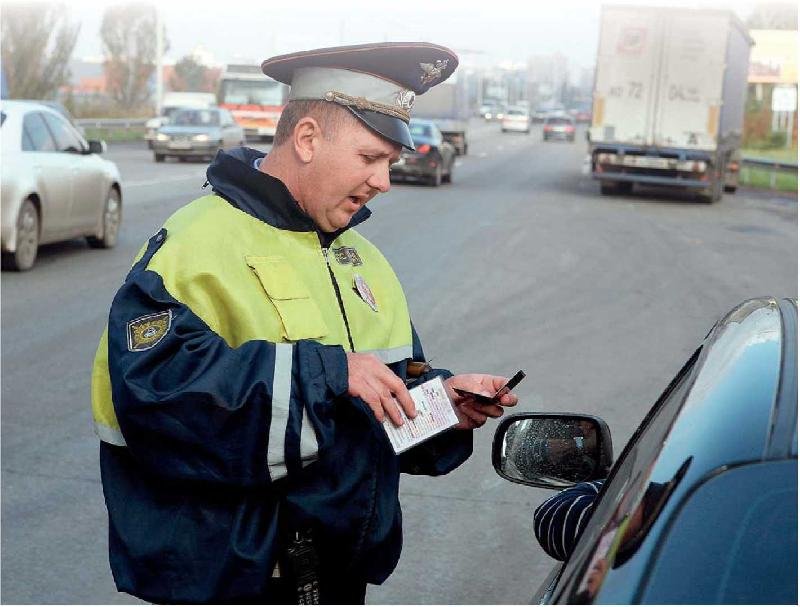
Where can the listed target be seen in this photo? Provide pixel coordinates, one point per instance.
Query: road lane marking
(136, 184)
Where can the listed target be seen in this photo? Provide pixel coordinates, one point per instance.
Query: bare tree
(773, 16)
(189, 75)
(129, 43)
(37, 43)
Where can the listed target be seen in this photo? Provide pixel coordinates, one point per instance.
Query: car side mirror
(552, 450)
(97, 147)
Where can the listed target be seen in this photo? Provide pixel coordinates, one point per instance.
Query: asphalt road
(520, 263)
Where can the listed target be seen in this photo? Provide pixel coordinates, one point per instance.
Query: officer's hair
(331, 118)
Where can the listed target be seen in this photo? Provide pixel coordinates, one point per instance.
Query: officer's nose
(379, 180)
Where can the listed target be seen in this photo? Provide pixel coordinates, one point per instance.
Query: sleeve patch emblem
(146, 331)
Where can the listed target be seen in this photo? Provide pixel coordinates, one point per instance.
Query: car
(55, 185)
(558, 127)
(433, 160)
(172, 102)
(701, 506)
(492, 111)
(197, 133)
(516, 119)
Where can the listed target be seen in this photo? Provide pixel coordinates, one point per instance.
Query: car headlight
(200, 137)
(162, 137)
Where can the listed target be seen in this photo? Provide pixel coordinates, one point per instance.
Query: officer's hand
(376, 384)
(472, 414)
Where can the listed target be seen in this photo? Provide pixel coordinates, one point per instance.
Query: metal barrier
(111, 123)
(767, 163)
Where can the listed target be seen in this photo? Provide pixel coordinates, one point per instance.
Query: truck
(668, 99)
(446, 104)
(255, 100)
(172, 101)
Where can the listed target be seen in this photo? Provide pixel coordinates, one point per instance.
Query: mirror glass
(550, 449)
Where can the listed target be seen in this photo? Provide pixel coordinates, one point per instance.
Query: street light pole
(159, 61)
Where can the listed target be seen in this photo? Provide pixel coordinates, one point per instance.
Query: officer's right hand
(376, 384)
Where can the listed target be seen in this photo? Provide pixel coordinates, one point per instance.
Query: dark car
(701, 507)
(559, 127)
(433, 160)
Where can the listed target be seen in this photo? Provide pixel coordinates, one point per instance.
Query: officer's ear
(307, 138)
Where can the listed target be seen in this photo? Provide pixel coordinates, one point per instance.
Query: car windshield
(516, 112)
(257, 92)
(419, 130)
(559, 121)
(196, 118)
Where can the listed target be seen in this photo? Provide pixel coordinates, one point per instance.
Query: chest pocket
(299, 313)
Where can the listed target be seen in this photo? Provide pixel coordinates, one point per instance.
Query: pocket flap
(278, 278)
(300, 316)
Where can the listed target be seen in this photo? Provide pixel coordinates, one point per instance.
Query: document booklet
(434, 414)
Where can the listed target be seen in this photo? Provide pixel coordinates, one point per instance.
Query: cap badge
(364, 292)
(405, 99)
(432, 71)
(347, 256)
(146, 331)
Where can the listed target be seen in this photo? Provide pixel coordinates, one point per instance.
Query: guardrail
(774, 166)
(111, 123)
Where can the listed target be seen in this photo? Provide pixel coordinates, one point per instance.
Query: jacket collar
(233, 176)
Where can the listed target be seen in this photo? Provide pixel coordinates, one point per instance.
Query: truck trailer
(668, 100)
(446, 104)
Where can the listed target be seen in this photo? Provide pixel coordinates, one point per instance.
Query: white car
(516, 119)
(54, 184)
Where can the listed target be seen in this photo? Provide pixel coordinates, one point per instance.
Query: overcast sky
(487, 31)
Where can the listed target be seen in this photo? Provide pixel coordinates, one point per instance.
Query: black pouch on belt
(301, 566)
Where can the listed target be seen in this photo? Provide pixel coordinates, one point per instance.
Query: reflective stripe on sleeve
(392, 355)
(107, 434)
(281, 396)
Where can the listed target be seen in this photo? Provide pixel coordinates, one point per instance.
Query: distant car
(516, 119)
(493, 112)
(538, 115)
(558, 127)
(701, 506)
(583, 117)
(197, 133)
(172, 102)
(433, 160)
(54, 185)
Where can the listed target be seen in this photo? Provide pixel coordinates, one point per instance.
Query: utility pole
(159, 61)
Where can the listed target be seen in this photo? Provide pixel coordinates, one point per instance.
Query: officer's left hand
(472, 414)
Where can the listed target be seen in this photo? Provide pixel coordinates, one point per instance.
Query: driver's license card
(434, 414)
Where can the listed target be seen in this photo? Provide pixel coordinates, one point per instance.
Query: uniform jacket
(219, 394)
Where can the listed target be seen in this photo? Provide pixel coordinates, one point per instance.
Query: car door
(88, 179)
(719, 411)
(53, 176)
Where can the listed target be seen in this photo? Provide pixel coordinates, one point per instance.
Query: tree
(37, 43)
(189, 75)
(129, 42)
(773, 16)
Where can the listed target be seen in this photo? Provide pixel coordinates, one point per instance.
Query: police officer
(254, 349)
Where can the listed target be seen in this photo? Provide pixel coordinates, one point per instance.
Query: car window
(419, 130)
(559, 121)
(196, 118)
(27, 143)
(516, 113)
(628, 489)
(66, 139)
(2, 118)
(40, 138)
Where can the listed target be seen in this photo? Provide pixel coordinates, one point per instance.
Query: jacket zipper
(339, 298)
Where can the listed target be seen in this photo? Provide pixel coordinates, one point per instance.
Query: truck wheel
(159, 157)
(730, 189)
(713, 192)
(625, 187)
(436, 179)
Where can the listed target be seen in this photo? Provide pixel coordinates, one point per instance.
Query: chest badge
(347, 255)
(364, 292)
(146, 331)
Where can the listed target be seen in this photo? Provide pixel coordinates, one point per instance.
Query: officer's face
(348, 171)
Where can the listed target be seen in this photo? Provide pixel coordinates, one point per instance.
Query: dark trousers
(333, 591)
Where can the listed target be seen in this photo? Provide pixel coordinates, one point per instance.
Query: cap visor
(389, 127)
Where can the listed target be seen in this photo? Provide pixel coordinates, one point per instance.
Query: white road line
(136, 184)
